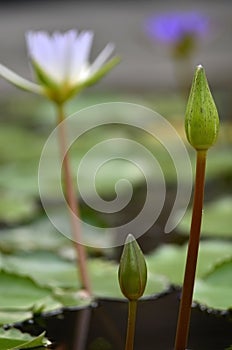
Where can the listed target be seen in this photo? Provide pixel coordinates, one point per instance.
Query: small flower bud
(132, 273)
(201, 121)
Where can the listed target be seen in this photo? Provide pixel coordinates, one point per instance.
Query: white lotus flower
(61, 63)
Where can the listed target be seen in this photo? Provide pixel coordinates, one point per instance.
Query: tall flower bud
(201, 120)
(132, 273)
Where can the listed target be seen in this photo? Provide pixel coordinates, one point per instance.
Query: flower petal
(79, 57)
(100, 73)
(48, 52)
(102, 58)
(20, 82)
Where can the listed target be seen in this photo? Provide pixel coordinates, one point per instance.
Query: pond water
(103, 325)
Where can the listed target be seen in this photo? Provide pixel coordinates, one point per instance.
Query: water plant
(181, 32)
(201, 126)
(62, 68)
(132, 275)
(56, 286)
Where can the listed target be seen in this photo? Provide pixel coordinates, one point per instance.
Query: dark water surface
(103, 326)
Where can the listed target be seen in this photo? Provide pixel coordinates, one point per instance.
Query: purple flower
(173, 27)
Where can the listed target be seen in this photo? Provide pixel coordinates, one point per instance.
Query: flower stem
(191, 262)
(72, 203)
(132, 309)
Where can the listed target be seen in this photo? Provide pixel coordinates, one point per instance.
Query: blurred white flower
(61, 63)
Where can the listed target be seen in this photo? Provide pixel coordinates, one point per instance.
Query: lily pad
(219, 164)
(216, 221)
(50, 270)
(13, 316)
(213, 271)
(13, 339)
(221, 275)
(40, 235)
(45, 268)
(213, 296)
(17, 143)
(19, 292)
(16, 207)
(169, 260)
(20, 177)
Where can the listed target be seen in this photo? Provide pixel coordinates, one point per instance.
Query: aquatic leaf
(221, 275)
(212, 296)
(16, 207)
(45, 268)
(12, 316)
(217, 219)
(19, 293)
(40, 235)
(13, 339)
(104, 276)
(18, 143)
(169, 260)
(69, 298)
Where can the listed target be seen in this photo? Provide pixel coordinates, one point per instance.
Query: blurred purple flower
(173, 27)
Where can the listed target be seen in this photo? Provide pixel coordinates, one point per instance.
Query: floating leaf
(13, 339)
(41, 235)
(10, 317)
(221, 275)
(16, 207)
(219, 165)
(217, 219)
(71, 298)
(19, 292)
(45, 268)
(18, 143)
(104, 277)
(20, 177)
(213, 296)
(169, 260)
(213, 270)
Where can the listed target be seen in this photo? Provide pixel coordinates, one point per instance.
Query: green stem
(191, 262)
(131, 324)
(72, 203)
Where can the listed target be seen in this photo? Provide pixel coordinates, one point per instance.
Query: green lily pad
(16, 207)
(104, 278)
(50, 270)
(40, 235)
(216, 221)
(20, 177)
(13, 339)
(221, 275)
(71, 298)
(45, 268)
(19, 292)
(213, 271)
(20, 297)
(212, 296)
(169, 260)
(219, 164)
(13, 316)
(18, 144)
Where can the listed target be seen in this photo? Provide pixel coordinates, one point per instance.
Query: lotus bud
(201, 121)
(132, 273)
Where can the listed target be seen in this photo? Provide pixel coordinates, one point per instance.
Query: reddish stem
(73, 204)
(191, 262)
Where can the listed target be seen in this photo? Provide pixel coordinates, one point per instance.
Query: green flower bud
(201, 121)
(132, 273)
